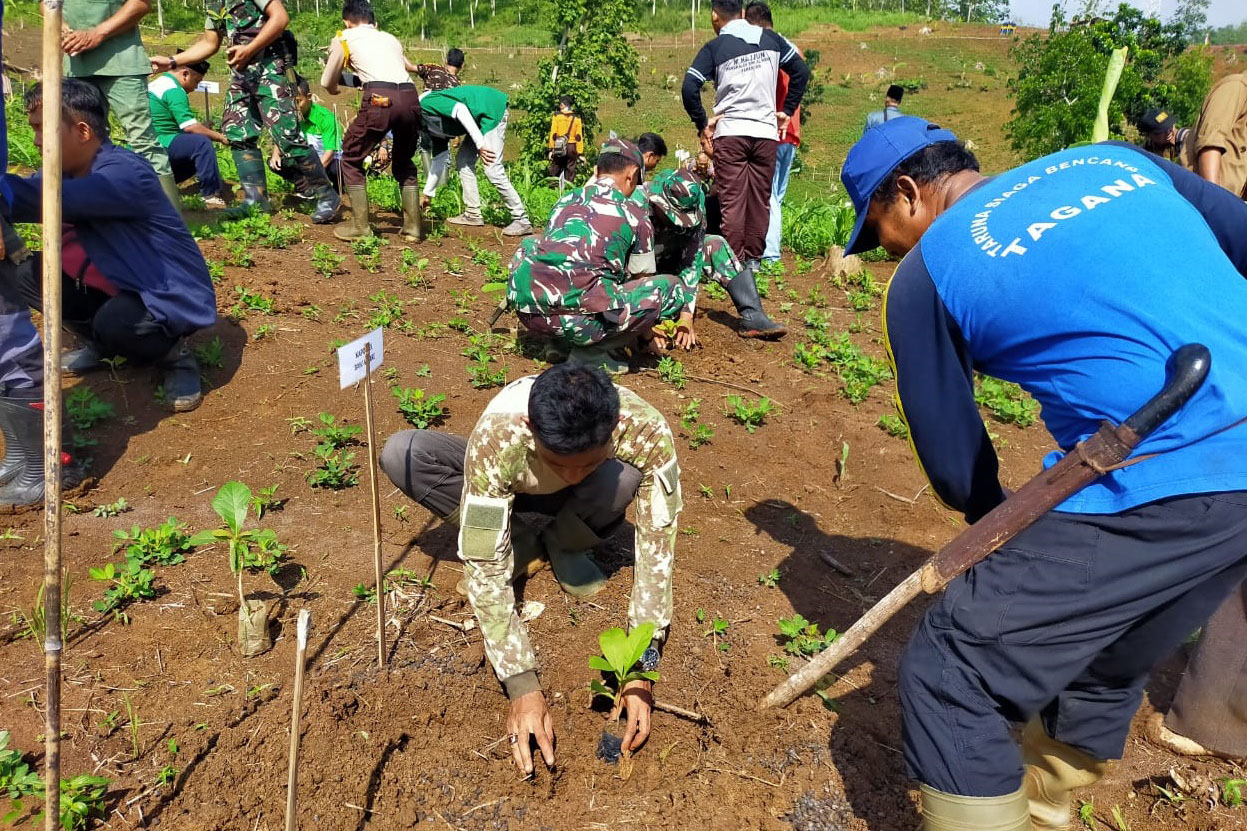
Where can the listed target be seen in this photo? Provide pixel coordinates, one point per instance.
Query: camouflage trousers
(643, 303)
(721, 263)
(262, 96)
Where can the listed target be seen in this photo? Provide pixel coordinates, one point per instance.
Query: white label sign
(351, 358)
(209, 86)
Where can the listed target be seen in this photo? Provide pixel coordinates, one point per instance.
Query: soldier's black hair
(728, 8)
(652, 143)
(614, 163)
(759, 13)
(80, 101)
(930, 164)
(573, 408)
(454, 57)
(358, 11)
(199, 67)
(303, 86)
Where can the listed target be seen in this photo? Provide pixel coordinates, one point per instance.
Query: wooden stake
(300, 661)
(52, 406)
(376, 507)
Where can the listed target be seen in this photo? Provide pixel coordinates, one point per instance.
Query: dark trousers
(120, 325)
(333, 170)
(401, 117)
(428, 467)
(191, 154)
(564, 166)
(1064, 622)
(743, 170)
(1211, 705)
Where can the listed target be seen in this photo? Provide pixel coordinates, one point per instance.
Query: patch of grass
(211, 354)
(1007, 402)
(326, 261)
(893, 425)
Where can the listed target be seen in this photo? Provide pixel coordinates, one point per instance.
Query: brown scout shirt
(1223, 124)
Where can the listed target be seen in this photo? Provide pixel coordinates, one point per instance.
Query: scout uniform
(1223, 125)
(119, 67)
(483, 480)
(261, 94)
(190, 154)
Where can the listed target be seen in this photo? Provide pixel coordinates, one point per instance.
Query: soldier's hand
(75, 43)
(239, 56)
(530, 719)
(685, 335)
(487, 156)
(161, 63)
(638, 698)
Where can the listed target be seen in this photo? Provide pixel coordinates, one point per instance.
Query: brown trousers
(1211, 704)
(743, 170)
(401, 117)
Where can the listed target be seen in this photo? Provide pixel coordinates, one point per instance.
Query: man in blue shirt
(1056, 275)
(135, 282)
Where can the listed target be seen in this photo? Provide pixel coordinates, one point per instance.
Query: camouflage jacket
(682, 252)
(596, 240)
(235, 19)
(501, 461)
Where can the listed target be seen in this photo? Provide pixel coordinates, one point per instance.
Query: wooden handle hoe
(1101, 453)
(292, 780)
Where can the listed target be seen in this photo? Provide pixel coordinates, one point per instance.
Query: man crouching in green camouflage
(261, 54)
(569, 444)
(677, 199)
(588, 284)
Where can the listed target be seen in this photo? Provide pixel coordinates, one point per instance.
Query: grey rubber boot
(86, 358)
(251, 177)
(950, 812)
(312, 183)
(357, 226)
(568, 542)
(413, 221)
(754, 323)
(170, 186)
(14, 459)
(183, 390)
(21, 422)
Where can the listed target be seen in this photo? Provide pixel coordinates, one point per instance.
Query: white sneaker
(464, 219)
(214, 202)
(518, 228)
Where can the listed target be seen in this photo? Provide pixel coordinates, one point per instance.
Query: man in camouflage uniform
(677, 199)
(261, 54)
(569, 444)
(589, 282)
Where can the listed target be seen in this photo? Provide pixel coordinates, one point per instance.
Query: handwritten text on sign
(351, 358)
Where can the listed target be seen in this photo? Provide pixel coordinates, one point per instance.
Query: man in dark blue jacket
(1056, 275)
(135, 283)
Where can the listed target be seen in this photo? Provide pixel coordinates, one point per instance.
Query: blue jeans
(779, 186)
(192, 154)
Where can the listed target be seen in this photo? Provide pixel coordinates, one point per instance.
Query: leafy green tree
(1191, 18)
(1230, 34)
(593, 57)
(1060, 75)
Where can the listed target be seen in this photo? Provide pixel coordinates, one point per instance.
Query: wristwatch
(649, 659)
(173, 64)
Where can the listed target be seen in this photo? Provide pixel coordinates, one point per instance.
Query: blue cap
(874, 157)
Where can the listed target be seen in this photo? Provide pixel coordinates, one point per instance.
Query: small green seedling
(482, 378)
(84, 409)
(777, 662)
(335, 469)
(419, 409)
(718, 633)
(1086, 812)
(82, 799)
(751, 415)
(336, 435)
(803, 637)
(113, 508)
(266, 501)
(672, 371)
(388, 310)
(251, 301)
(326, 261)
(1119, 819)
(367, 252)
(770, 579)
(1007, 402)
(18, 781)
(620, 653)
(130, 583)
(1232, 792)
(166, 775)
(400, 513)
(894, 425)
(166, 545)
(211, 354)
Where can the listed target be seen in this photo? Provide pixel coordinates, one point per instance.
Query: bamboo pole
(292, 780)
(51, 113)
(376, 508)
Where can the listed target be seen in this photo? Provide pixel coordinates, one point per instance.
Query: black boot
(312, 183)
(84, 359)
(753, 321)
(181, 382)
(250, 164)
(21, 422)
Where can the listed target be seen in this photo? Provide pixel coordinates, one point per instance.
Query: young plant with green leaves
(18, 780)
(367, 251)
(85, 409)
(250, 549)
(266, 500)
(211, 354)
(420, 410)
(1007, 402)
(802, 637)
(326, 261)
(672, 371)
(166, 545)
(128, 583)
(620, 653)
(893, 425)
(751, 415)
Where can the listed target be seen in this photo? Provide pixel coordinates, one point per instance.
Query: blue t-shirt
(1077, 276)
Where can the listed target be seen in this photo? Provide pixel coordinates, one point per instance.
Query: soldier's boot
(605, 354)
(569, 542)
(1053, 771)
(312, 183)
(754, 323)
(183, 390)
(357, 226)
(21, 422)
(950, 812)
(251, 176)
(413, 228)
(530, 555)
(169, 185)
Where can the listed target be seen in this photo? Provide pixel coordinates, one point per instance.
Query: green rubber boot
(568, 543)
(170, 186)
(1053, 771)
(413, 222)
(950, 812)
(357, 226)
(250, 164)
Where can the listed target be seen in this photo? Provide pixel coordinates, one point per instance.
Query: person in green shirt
(481, 114)
(322, 131)
(102, 46)
(185, 139)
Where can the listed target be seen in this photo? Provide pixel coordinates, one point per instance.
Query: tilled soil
(422, 744)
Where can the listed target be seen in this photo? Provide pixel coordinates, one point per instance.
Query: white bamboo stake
(300, 661)
(376, 508)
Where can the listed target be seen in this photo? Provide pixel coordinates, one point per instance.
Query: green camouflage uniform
(681, 244)
(260, 94)
(501, 461)
(592, 273)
